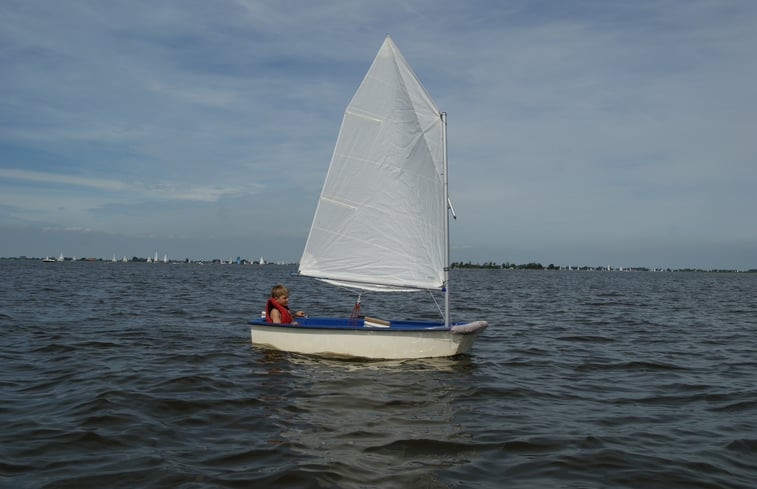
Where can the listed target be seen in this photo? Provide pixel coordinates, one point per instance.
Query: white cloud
(151, 190)
(55, 178)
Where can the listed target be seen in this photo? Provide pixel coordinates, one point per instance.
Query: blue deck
(355, 324)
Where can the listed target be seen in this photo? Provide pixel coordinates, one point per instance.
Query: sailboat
(381, 224)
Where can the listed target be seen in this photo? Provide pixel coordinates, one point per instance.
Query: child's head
(279, 292)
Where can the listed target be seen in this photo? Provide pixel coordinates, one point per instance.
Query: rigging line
(452, 209)
(441, 313)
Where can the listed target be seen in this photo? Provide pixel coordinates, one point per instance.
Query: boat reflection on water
(374, 423)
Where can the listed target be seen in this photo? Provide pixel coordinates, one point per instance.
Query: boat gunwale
(346, 324)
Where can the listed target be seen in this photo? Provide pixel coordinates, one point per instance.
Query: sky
(587, 132)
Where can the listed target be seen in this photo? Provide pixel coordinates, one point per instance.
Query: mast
(446, 220)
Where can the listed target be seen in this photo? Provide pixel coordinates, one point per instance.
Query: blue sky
(582, 132)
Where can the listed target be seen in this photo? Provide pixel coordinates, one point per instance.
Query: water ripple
(136, 375)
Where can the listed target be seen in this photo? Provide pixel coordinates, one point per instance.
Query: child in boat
(277, 306)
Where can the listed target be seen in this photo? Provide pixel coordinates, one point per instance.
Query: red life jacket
(286, 316)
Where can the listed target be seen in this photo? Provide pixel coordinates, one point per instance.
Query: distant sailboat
(60, 257)
(262, 261)
(381, 223)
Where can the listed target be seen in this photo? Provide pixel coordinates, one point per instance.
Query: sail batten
(370, 117)
(380, 219)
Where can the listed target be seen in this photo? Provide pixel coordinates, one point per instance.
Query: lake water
(143, 375)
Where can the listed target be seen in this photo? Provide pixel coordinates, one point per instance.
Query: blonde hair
(279, 291)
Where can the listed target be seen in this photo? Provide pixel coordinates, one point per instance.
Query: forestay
(380, 220)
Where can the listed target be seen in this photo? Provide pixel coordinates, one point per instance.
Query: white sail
(381, 217)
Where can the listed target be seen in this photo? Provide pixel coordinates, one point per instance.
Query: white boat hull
(375, 343)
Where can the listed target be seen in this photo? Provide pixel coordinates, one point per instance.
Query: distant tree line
(551, 266)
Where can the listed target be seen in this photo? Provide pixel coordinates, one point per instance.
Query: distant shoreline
(455, 265)
(237, 261)
(539, 266)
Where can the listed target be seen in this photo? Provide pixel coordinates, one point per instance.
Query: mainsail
(380, 223)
